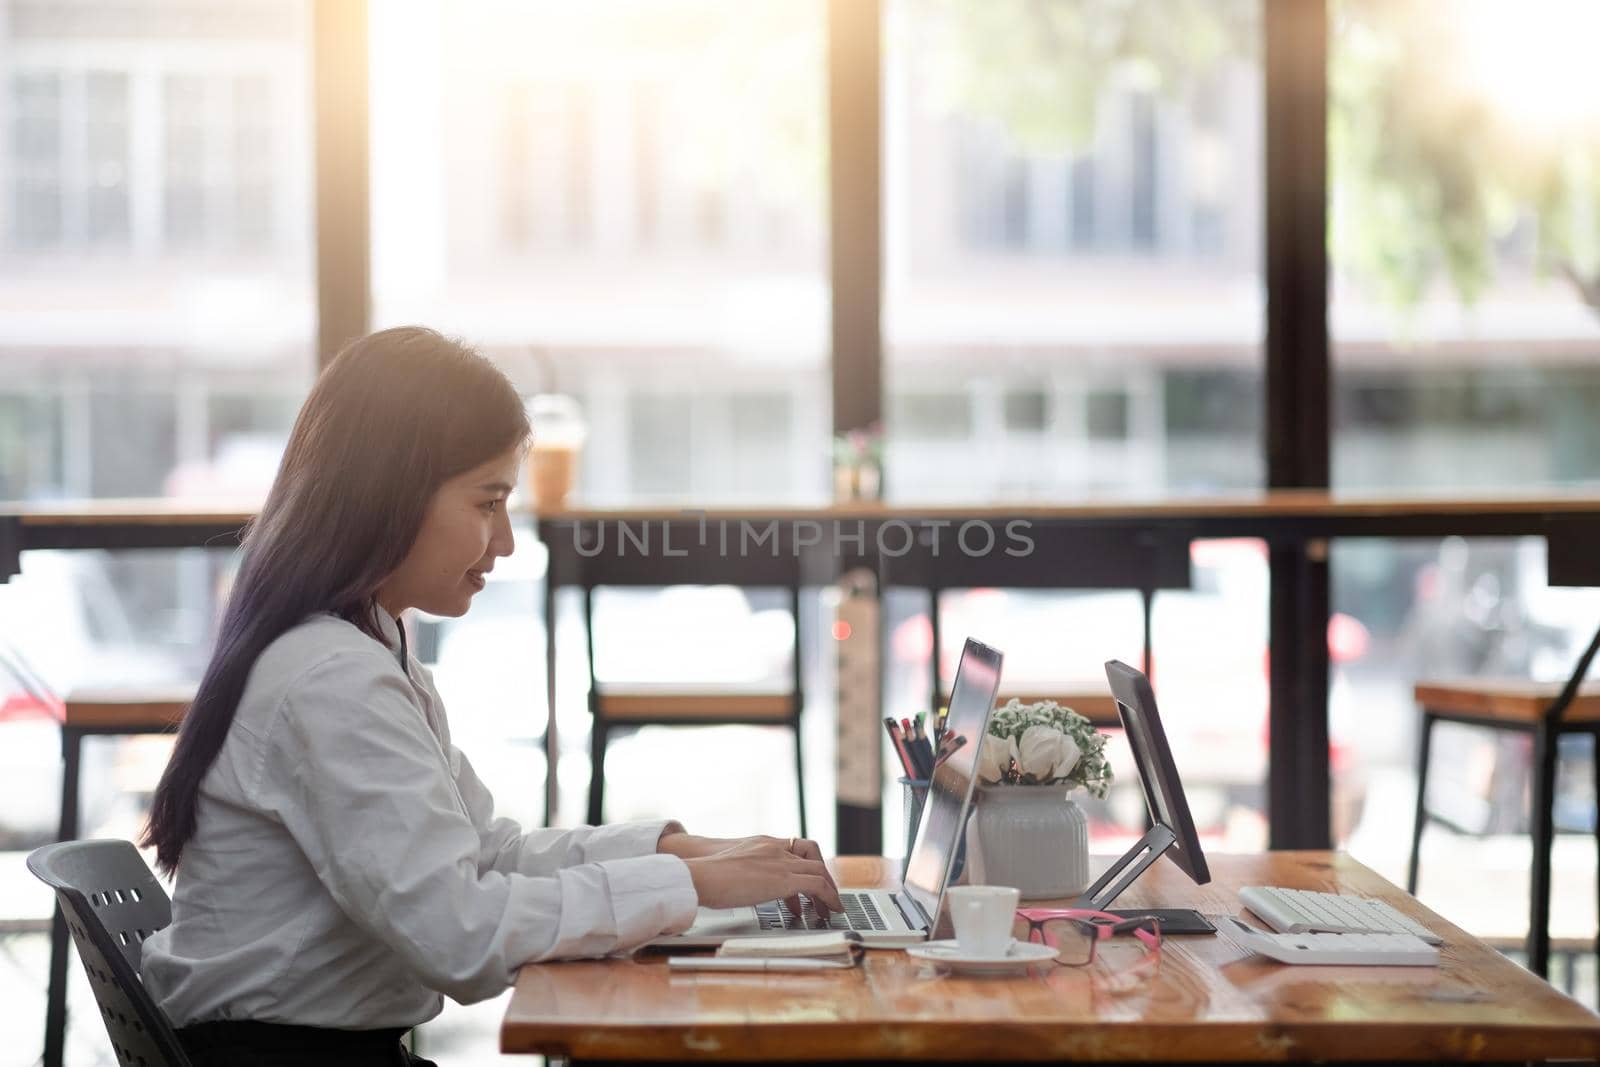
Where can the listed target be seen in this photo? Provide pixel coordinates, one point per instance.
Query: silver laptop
(887, 918)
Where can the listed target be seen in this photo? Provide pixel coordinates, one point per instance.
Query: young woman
(338, 863)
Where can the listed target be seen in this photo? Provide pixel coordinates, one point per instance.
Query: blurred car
(62, 626)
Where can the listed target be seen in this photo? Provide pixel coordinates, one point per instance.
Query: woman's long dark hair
(394, 415)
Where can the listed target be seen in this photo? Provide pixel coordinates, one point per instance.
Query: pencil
(956, 743)
(900, 748)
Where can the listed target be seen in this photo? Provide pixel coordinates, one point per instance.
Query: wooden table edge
(938, 1041)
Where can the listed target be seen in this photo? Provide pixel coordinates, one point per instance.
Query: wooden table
(1209, 1001)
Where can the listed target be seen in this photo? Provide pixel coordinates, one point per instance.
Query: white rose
(994, 756)
(1046, 753)
(1070, 754)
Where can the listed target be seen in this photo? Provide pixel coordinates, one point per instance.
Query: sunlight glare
(1534, 59)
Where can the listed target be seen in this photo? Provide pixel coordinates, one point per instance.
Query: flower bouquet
(1043, 744)
(1026, 831)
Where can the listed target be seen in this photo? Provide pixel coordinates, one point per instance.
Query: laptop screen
(943, 816)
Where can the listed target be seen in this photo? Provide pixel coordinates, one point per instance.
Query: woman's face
(464, 531)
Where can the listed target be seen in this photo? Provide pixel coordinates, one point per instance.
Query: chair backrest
(112, 902)
(1051, 556)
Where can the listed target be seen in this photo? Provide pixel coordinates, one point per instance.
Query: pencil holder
(914, 794)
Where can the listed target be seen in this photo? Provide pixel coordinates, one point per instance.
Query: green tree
(1430, 179)
(1432, 176)
(1041, 66)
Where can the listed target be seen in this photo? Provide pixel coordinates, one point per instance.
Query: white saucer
(1017, 955)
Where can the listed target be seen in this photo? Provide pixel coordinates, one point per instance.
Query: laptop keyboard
(860, 913)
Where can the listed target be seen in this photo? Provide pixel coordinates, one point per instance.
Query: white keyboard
(1390, 950)
(1299, 911)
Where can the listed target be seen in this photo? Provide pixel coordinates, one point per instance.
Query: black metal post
(1297, 417)
(855, 225)
(1543, 822)
(55, 1014)
(552, 742)
(343, 189)
(855, 222)
(798, 681)
(597, 723)
(10, 547)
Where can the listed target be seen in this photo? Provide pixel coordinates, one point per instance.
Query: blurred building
(155, 300)
(627, 203)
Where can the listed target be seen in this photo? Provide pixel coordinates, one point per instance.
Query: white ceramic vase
(1033, 837)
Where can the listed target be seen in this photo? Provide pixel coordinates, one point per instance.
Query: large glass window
(1464, 179)
(622, 202)
(1073, 309)
(1072, 196)
(155, 243)
(1464, 239)
(156, 325)
(155, 249)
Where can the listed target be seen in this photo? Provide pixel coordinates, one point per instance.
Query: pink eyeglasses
(1076, 932)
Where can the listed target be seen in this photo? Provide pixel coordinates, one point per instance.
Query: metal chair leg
(55, 1012)
(798, 681)
(1543, 821)
(800, 776)
(597, 771)
(1421, 817)
(1595, 759)
(552, 745)
(597, 726)
(1147, 610)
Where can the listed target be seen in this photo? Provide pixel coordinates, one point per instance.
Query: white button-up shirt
(347, 868)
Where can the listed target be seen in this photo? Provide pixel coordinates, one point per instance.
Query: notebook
(840, 945)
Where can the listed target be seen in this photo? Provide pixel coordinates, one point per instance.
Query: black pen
(920, 746)
(923, 766)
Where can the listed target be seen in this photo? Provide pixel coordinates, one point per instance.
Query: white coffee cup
(983, 915)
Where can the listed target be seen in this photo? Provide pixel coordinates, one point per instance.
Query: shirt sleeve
(506, 847)
(364, 787)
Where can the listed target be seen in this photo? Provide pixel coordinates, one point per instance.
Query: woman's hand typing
(729, 873)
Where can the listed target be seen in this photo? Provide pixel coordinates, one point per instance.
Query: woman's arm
(362, 784)
(724, 871)
(507, 848)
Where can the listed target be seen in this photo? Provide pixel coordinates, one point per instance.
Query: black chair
(613, 706)
(112, 903)
(1546, 711)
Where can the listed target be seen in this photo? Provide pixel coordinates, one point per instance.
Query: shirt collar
(393, 635)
